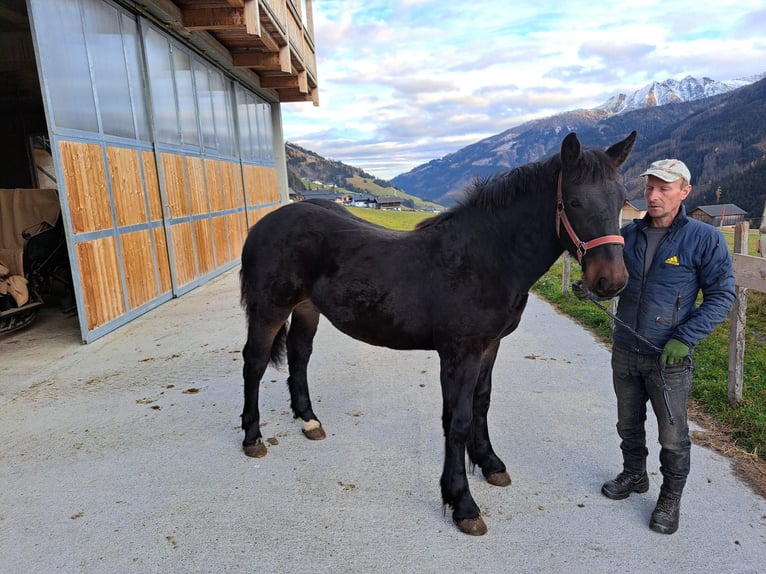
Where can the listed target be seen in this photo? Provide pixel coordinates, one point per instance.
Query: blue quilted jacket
(692, 257)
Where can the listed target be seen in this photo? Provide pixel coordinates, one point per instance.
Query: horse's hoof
(255, 450)
(472, 526)
(499, 478)
(313, 430)
(315, 434)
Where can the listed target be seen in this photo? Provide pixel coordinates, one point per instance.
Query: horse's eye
(575, 203)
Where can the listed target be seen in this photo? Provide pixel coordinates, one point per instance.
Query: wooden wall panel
(211, 205)
(236, 224)
(204, 242)
(267, 195)
(175, 184)
(138, 264)
(253, 215)
(163, 260)
(86, 188)
(152, 185)
(183, 253)
(195, 173)
(213, 177)
(233, 189)
(221, 241)
(251, 184)
(100, 281)
(127, 186)
(272, 185)
(260, 195)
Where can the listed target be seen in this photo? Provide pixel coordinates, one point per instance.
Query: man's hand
(581, 291)
(673, 353)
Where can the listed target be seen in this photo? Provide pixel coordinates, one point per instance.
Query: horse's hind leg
(300, 338)
(479, 446)
(256, 354)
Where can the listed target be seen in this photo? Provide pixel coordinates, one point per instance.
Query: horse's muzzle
(604, 271)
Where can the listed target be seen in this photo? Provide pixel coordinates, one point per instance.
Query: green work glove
(673, 353)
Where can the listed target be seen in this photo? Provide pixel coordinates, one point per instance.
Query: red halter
(581, 246)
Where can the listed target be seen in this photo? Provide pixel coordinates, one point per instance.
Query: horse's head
(590, 198)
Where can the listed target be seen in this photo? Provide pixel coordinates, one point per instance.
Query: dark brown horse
(457, 284)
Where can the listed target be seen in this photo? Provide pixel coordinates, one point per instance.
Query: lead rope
(665, 387)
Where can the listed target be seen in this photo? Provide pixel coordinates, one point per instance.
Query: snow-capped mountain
(646, 110)
(672, 91)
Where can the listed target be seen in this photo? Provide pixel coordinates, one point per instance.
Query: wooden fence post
(738, 320)
(565, 273)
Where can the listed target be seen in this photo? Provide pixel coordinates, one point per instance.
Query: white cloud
(405, 81)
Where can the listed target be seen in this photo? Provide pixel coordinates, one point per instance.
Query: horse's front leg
(459, 373)
(300, 339)
(480, 449)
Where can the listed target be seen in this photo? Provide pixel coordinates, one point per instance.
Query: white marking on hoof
(311, 425)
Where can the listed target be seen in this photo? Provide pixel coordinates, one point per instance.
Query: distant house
(633, 209)
(389, 203)
(719, 215)
(319, 194)
(364, 201)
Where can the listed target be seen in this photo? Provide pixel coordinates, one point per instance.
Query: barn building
(720, 215)
(157, 123)
(633, 209)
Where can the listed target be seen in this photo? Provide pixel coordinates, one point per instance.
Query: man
(670, 258)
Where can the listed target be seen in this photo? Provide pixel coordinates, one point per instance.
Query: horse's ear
(620, 151)
(570, 150)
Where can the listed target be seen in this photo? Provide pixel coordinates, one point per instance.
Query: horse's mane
(502, 189)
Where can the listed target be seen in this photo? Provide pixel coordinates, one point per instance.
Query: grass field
(710, 391)
(400, 220)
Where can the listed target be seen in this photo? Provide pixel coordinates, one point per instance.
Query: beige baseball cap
(669, 170)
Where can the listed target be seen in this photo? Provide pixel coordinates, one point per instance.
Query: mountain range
(717, 128)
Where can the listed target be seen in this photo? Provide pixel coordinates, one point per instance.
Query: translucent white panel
(187, 108)
(257, 121)
(205, 103)
(162, 88)
(133, 58)
(104, 39)
(252, 118)
(221, 102)
(267, 137)
(243, 124)
(58, 28)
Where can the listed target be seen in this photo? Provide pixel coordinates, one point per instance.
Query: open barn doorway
(36, 291)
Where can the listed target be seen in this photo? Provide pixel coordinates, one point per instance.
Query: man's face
(663, 199)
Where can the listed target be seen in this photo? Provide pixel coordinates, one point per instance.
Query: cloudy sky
(402, 82)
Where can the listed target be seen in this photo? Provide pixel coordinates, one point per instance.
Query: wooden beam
(213, 18)
(303, 82)
(280, 82)
(265, 61)
(285, 61)
(293, 95)
(252, 18)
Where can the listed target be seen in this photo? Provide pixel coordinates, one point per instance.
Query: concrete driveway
(124, 456)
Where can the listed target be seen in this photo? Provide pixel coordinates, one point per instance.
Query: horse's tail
(243, 291)
(279, 347)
